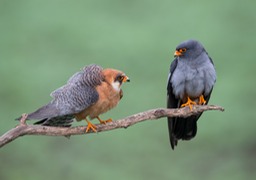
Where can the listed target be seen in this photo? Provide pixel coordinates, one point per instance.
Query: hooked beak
(126, 79)
(177, 53)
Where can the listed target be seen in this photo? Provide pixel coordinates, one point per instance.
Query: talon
(189, 103)
(104, 122)
(202, 101)
(90, 126)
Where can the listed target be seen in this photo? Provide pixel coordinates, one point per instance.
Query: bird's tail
(49, 115)
(59, 121)
(46, 112)
(190, 129)
(182, 129)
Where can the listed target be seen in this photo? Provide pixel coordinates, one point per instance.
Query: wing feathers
(45, 112)
(78, 94)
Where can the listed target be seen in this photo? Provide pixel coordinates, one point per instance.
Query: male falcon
(88, 93)
(190, 81)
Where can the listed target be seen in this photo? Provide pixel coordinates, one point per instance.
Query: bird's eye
(120, 78)
(182, 50)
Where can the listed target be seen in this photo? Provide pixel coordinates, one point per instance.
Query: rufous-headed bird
(88, 93)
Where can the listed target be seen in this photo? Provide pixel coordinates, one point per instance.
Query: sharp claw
(108, 120)
(90, 126)
(104, 122)
(202, 101)
(189, 103)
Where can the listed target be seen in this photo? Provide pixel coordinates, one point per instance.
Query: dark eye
(182, 50)
(120, 78)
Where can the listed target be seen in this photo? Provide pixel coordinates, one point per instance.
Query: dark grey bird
(190, 81)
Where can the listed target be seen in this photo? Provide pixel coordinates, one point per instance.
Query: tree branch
(24, 129)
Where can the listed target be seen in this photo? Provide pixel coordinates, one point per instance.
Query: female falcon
(88, 93)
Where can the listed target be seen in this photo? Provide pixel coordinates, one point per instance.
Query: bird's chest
(108, 99)
(188, 80)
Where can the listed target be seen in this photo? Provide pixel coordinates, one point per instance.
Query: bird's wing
(74, 99)
(172, 102)
(209, 57)
(207, 96)
(78, 94)
(60, 112)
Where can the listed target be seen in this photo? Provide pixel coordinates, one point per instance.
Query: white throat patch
(116, 85)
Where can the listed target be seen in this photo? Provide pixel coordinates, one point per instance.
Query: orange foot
(202, 101)
(104, 122)
(189, 103)
(90, 126)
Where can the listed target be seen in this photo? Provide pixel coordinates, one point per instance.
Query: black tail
(182, 129)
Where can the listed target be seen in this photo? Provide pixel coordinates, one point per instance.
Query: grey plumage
(192, 74)
(78, 94)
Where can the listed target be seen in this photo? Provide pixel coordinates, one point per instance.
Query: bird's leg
(90, 126)
(189, 103)
(202, 101)
(104, 122)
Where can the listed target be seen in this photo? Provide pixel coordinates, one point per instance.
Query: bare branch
(24, 129)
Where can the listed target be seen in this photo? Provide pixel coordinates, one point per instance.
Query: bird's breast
(192, 81)
(108, 99)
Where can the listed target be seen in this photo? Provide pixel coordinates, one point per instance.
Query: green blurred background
(42, 43)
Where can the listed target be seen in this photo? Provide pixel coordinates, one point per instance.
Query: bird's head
(189, 49)
(115, 78)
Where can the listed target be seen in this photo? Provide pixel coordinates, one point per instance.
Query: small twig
(24, 129)
(23, 119)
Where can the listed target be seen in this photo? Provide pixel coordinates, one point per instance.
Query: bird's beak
(126, 79)
(177, 53)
